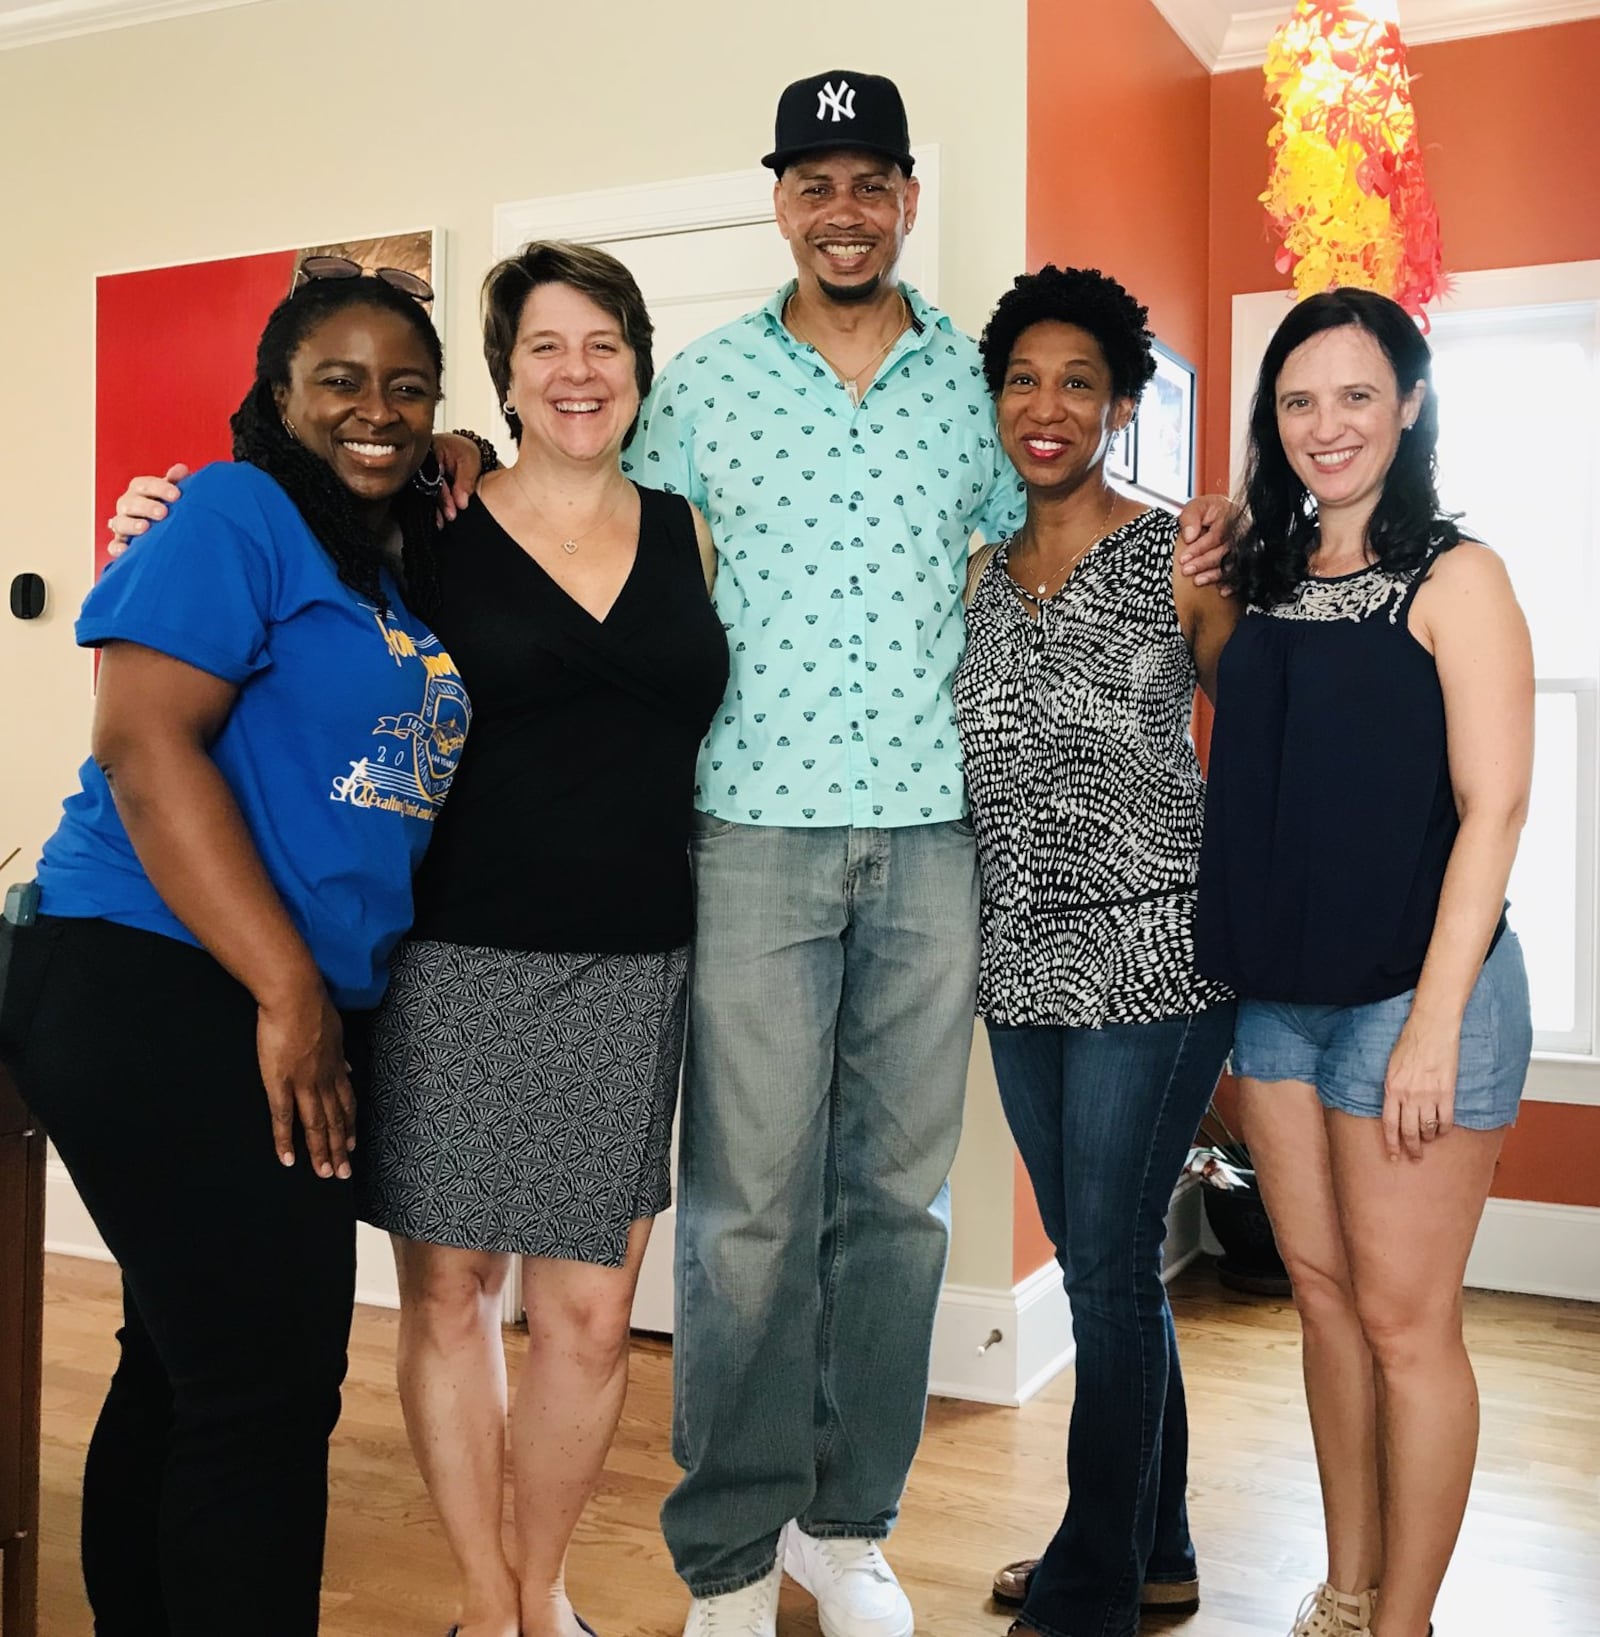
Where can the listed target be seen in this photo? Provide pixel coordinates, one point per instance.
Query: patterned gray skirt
(521, 1101)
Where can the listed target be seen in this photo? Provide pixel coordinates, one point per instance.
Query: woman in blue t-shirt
(273, 736)
(1369, 775)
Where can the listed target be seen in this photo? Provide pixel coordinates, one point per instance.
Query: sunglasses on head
(341, 267)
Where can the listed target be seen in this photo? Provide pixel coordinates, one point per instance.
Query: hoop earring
(509, 407)
(288, 426)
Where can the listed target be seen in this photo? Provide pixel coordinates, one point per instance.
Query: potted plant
(1235, 1211)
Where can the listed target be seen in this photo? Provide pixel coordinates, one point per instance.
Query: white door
(704, 250)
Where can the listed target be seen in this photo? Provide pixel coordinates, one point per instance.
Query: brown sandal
(1011, 1582)
(1158, 1596)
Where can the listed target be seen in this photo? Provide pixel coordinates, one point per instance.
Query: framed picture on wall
(1164, 451)
(1120, 466)
(175, 349)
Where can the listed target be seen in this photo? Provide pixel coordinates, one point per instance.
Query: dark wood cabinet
(22, 1148)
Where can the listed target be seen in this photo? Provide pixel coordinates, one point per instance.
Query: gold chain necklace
(570, 544)
(1077, 557)
(851, 383)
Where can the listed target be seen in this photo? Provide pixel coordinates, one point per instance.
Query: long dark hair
(1277, 528)
(261, 438)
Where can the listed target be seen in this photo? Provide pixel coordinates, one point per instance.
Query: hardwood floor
(987, 1485)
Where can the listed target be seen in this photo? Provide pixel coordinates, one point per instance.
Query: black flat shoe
(584, 1623)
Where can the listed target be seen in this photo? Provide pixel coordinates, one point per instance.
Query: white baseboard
(1034, 1322)
(69, 1230)
(377, 1284)
(1000, 1346)
(1539, 1250)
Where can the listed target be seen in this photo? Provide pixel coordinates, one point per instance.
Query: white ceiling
(1222, 35)
(1225, 36)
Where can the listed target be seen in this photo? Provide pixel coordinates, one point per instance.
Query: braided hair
(1277, 528)
(261, 439)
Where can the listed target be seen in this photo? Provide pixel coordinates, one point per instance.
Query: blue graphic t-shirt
(339, 749)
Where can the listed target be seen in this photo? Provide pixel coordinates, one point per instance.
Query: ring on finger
(1430, 1125)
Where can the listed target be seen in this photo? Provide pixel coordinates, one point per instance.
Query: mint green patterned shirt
(842, 538)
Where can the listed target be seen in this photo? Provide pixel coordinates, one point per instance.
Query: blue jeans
(1104, 1118)
(831, 989)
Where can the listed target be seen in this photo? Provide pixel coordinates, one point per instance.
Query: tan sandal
(1329, 1612)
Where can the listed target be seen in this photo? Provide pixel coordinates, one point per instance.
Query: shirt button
(854, 658)
(853, 506)
(855, 579)
(855, 727)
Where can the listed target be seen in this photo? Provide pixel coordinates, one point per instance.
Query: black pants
(205, 1492)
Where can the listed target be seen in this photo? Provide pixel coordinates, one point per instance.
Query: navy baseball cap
(841, 109)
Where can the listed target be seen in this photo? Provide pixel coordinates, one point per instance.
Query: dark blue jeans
(1104, 1118)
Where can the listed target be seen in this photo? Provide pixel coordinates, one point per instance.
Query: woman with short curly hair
(1085, 646)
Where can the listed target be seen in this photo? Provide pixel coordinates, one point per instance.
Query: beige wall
(301, 121)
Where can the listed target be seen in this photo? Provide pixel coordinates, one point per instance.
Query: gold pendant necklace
(851, 383)
(1083, 551)
(570, 544)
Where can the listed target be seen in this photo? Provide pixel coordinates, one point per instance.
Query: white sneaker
(752, 1611)
(856, 1591)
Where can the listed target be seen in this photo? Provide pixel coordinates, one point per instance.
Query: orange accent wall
(1118, 117)
(1141, 163)
(1553, 1155)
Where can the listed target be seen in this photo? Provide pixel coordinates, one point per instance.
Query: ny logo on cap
(842, 101)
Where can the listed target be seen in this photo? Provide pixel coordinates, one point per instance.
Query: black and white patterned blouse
(1085, 789)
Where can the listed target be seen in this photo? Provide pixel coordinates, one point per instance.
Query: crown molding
(1225, 37)
(45, 20)
(1202, 25)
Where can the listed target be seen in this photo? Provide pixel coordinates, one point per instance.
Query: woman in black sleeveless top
(1369, 776)
(526, 1056)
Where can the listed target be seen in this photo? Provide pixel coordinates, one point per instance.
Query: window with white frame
(1519, 448)
(1517, 370)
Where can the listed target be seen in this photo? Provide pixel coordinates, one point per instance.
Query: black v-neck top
(567, 826)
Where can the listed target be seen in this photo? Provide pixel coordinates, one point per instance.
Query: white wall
(304, 121)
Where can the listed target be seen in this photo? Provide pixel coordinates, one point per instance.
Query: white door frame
(693, 203)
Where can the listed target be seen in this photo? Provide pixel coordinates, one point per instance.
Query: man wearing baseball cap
(842, 445)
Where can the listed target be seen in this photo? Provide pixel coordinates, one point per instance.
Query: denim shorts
(1344, 1050)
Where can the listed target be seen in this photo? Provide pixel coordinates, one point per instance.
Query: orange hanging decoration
(1348, 197)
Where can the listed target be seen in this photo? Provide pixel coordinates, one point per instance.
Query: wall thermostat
(27, 596)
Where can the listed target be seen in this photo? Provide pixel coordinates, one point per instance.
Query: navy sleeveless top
(1330, 815)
